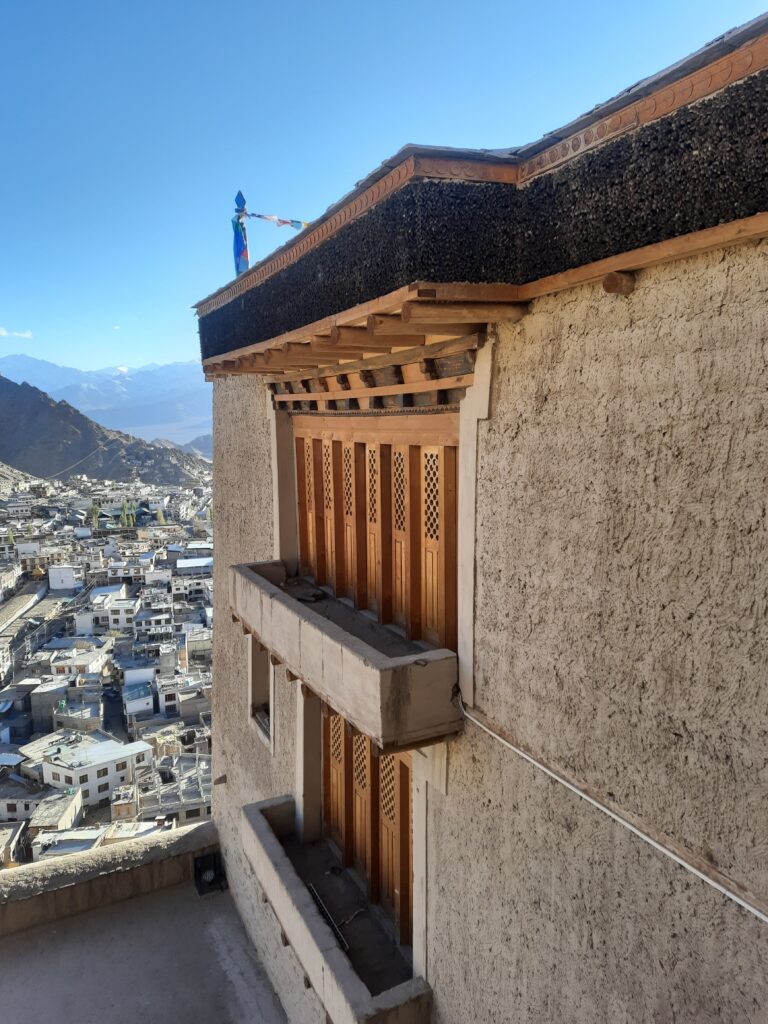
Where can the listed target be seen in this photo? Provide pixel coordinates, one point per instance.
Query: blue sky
(127, 129)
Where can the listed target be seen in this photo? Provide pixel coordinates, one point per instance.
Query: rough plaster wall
(622, 546)
(242, 501)
(541, 910)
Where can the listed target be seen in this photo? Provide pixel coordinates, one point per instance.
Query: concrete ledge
(44, 892)
(343, 995)
(400, 702)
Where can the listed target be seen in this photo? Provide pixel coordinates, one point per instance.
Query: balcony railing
(400, 693)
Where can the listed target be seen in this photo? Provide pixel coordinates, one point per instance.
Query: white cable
(759, 914)
(66, 469)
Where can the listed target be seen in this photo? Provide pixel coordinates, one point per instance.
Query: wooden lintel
(413, 387)
(422, 313)
(619, 282)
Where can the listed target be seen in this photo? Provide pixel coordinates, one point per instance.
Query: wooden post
(619, 282)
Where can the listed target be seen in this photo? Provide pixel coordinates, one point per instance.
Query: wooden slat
(416, 387)
(418, 313)
(317, 500)
(360, 591)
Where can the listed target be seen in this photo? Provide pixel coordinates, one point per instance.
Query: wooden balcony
(400, 693)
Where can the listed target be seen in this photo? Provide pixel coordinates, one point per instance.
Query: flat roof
(70, 749)
(51, 808)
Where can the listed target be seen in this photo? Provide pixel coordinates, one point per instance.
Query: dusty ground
(166, 956)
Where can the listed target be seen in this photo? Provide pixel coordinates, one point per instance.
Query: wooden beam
(383, 324)
(316, 351)
(619, 282)
(421, 313)
(436, 350)
(413, 387)
(370, 342)
(441, 292)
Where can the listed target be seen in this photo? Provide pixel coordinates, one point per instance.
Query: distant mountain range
(171, 401)
(202, 445)
(46, 438)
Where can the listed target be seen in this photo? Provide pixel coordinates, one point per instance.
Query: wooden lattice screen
(377, 524)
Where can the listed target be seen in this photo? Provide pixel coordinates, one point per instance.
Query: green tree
(160, 517)
(11, 538)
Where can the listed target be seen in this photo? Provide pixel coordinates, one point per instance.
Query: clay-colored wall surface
(243, 512)
(620, 635)
(541, 910)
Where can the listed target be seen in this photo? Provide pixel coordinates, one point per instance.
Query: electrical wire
(659, 847)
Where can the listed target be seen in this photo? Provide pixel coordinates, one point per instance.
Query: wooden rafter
(415, 355)
(414, 387)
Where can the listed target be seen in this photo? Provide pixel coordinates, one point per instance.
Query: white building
(65, 577)
(137, 698)
(94, 762)
(20, 798)
(105, 605)
(74, 840)
(20, 504)
(81, 660)
(9, 576)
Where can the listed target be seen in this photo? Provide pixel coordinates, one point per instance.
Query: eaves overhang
(652, 164)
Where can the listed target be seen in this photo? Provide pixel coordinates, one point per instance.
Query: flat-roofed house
(491, 440)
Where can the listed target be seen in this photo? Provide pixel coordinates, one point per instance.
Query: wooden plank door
(353, 506)
(337, 771)
(333, 524)
(378, 529)
(395, 869)
(406, 605)
(318, 509)
(365, 818)
(438, 545)
(306, 488)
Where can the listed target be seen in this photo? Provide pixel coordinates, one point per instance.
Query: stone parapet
(49, 890)
(399, 702)
(325, 967)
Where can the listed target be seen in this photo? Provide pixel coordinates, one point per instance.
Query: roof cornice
(676, 88)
